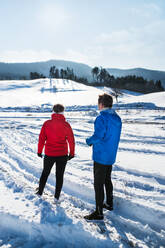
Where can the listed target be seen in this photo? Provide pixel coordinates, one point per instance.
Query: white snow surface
(39, 92)
(157, 98)
(29, 221)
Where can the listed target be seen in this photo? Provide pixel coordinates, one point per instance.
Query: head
(58, 108)
(105, 101)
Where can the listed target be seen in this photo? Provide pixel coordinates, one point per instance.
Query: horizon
(113, 68)
(121, 34)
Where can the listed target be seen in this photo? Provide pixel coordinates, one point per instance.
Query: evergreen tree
(62, 73)
(158, 85)
(56, 73)
(52, 71)
(95, 72)
(102, 75)
(36, 75)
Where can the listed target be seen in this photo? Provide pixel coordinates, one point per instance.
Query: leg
(60, 168)
(109, 186)
(48, 164)
(109, 190)
(99, 181)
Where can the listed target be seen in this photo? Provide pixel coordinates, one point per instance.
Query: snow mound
(36, 93)
(150, 101)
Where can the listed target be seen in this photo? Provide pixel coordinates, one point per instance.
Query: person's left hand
(39, 155)
(87, 141)
(70, 157)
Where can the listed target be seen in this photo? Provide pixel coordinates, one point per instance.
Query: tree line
(101, 77)
(60, 73)
(65, 74)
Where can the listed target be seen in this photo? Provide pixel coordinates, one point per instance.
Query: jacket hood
(58, 116)
(108, 110)
(111, 113)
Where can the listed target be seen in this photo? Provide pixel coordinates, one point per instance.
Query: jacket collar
(58, 116)
(108, 110)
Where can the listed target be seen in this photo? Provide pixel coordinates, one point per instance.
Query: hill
(18, 70)
(139, 72)
(40, 96)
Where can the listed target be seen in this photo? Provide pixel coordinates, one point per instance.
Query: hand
(87, 141)
(39, 155)
(70, 157)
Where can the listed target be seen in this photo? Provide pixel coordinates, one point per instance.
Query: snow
(158, 99)
(26, 220)
(38, 93)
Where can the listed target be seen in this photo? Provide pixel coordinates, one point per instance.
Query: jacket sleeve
(99, 131)
(42, 139)
(70, 139)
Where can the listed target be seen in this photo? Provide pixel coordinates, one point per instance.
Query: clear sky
(108, 33)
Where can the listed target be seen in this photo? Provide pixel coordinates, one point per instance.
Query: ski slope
(138, 219)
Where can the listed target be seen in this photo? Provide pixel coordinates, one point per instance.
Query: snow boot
(37, 192)
(94, 216)
(108, 206)
(56, 201)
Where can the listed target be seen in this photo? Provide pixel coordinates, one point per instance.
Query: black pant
(61, 162)
(102, 177)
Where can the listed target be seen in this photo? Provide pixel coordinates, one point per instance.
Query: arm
(42, 139)
(99, 131)
(71, 140)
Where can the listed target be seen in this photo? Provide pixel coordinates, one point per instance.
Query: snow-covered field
(27, 221)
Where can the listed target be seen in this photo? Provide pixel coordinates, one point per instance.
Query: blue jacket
(105, 140)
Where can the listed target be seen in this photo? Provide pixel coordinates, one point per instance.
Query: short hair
(106, 100)
(58, 108)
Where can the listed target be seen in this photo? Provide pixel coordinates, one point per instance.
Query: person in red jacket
(55, 136)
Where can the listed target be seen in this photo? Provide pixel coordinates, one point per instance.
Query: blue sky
(108, 33)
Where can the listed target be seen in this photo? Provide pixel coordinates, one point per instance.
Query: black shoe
(108, 207)
(37, 192)
(94, 216)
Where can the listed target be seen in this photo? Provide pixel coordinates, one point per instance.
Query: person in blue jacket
(104, 141)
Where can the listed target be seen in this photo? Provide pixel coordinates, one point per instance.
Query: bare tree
(116, 93)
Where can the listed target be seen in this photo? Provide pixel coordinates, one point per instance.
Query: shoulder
(67, 124)
(115, 119)
(99, 119)
(46, 123)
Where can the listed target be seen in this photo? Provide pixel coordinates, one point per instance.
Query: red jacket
(56, 134)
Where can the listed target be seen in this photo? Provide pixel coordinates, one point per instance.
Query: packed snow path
(138, 219)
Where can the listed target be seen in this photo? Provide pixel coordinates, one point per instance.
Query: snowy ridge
(82, 70)
(138, 175)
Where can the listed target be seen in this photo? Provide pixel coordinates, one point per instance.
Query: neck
(104, 108)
